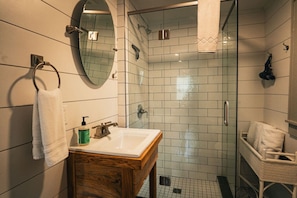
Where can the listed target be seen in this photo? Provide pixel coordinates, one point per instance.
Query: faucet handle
(106, 123)
(94, 127)
(97, 126)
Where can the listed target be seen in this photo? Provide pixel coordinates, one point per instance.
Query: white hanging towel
(48, 127)
(208, 25)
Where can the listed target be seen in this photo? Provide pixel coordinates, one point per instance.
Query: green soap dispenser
(83, 133)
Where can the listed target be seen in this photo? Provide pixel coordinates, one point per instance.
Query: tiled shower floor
(190, 188)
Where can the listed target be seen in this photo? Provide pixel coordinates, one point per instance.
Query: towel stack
(48, 127)
(264, 136)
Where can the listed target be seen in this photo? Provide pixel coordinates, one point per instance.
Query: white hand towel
(208, 25)
(48, 127)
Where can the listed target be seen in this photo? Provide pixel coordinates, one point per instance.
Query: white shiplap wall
(277, 32)
(262, 31)
(251, 55)
(38, 27)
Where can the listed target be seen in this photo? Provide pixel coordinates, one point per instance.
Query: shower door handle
(226, 113)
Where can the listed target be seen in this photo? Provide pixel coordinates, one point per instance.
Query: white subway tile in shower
(187, 40)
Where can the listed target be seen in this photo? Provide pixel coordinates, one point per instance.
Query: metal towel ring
(41, 65)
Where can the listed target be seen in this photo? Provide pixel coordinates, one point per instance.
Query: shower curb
(224, 186)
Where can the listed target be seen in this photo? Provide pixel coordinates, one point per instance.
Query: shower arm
(70, 29)
(173, 6)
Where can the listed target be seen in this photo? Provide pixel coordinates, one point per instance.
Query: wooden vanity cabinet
(107, 176)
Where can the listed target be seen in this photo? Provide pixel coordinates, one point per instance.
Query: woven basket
(270, 170)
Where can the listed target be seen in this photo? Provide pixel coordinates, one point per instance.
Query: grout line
(190, 188)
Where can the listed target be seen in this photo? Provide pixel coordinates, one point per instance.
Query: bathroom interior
(155, 64)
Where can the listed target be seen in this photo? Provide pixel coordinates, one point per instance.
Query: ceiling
(187, 14)
(243, 4)
(251, 4)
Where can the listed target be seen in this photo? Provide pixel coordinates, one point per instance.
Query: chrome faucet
(102, 130)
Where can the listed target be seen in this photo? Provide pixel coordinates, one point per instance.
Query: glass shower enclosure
(229, 129)
(172, 87)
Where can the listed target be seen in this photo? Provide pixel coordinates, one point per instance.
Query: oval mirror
(96, 41)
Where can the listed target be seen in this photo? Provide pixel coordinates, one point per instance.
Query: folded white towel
(48, 127)
(208, 25)
(264, 136)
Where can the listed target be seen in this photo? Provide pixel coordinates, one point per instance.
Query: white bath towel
(48, 127)
(264, 136)
(208, 25)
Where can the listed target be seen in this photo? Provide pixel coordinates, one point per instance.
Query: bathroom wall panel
(281, 67)
(97, 110)
(18, 166)
(16, 126)
(250, 60)
(290, 144)
(278, 31)
(243, 125)
(248, 31)
(36, 27)
(277, 119)
(13, 82)
(251, 100)
(36, 16)
(250, 72)
(11, 40)
(273, 108)
(277, 13)
(66, 8)
(250, 87)
(277, 102)
(279, 35)
(251, 45)
(74, 84)
(250, 114)
(35, 43)
(45, 184)
(251, 16)
(280, 87)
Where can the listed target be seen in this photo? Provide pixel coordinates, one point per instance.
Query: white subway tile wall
(182, 91)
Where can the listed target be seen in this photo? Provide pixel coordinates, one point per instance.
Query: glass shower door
(182, 92)
(229, 34)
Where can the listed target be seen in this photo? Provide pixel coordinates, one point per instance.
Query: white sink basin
(122, 142)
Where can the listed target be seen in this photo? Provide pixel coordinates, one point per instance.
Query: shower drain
(177, 190)
(166, 181)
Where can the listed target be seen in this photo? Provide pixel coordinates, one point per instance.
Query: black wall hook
(286, 47)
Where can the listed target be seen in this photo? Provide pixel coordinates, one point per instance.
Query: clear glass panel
(182, 91)
(137, 73)
(230, 94)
